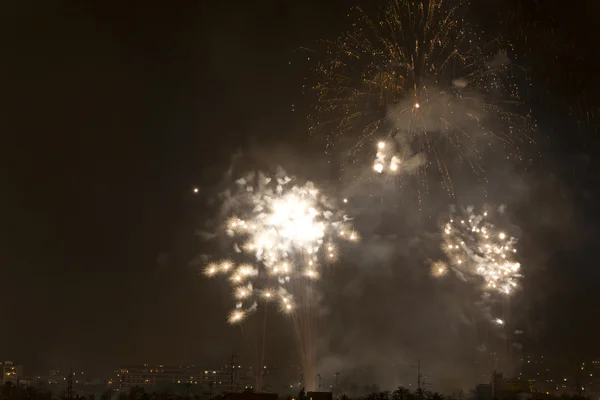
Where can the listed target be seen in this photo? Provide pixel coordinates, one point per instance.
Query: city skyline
(543, 374)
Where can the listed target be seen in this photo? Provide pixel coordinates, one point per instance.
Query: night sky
(113, 112)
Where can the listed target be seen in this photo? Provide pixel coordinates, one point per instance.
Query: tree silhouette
(402, 393)
(8, 390)
(302, 394)
(138, 393)
(420, 393)
(385, 395)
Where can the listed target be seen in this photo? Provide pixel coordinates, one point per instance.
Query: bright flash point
(378, 167)
(210, 270)
(394, 167)
(499, 321)
(225, 266)
(311, 274)
(242, 293)
(381, 145)
(417, 105)
(345, 200)
(195, 190)
(236, 316)
(439, 269)
(502, 236)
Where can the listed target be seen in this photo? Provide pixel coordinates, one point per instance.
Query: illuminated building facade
(156, 377)
(11, 372)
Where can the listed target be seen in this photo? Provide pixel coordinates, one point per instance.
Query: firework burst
(288, 232)
(474, 248)
(421, 75)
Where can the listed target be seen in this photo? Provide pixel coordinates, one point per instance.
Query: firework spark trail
(289, 232)
(474, 248)
(421, 74)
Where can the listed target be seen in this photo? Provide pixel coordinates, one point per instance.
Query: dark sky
(113, 111)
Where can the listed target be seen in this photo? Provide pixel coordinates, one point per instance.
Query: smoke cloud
(381, 311)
